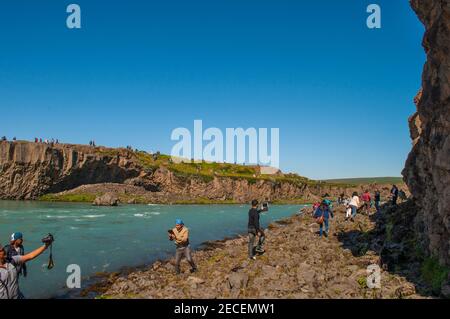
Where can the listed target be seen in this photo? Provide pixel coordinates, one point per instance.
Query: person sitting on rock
(254, 230)
(180, 235)
(322, 215)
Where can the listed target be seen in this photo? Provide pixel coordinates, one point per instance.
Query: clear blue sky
(339, 92)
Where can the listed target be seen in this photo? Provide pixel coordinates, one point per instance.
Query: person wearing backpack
(9, 278)
(15, 248)
(322, 216)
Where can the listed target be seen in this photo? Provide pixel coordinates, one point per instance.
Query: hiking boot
(193, 270)
(252, 258)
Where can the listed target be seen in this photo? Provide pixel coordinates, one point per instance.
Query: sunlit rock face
(427, 170)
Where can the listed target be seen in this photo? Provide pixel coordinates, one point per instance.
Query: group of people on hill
(36, 140)
(13, 264)
(46, 141)
(323, 211)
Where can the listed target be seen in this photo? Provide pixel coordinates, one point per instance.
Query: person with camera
(180, 236)
(9, 277)
(15, 248)
(254, 229)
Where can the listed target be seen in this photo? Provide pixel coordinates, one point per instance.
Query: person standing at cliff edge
(180, 235)
(254, 229)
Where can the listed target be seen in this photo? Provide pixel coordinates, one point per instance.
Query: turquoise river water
(100, 239)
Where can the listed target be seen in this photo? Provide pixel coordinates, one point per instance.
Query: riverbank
(297, 264)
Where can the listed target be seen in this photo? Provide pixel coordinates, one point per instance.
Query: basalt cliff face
(30, 170)
(427, 170)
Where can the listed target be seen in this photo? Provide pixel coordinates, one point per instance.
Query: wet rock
(106, 200)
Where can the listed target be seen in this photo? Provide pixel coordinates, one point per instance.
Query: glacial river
(100, 239)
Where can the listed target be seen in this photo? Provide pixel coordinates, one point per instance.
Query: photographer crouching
(9, 269)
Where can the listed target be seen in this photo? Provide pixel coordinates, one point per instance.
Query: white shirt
(355, 201)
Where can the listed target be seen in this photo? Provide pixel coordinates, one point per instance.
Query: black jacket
(253, 218)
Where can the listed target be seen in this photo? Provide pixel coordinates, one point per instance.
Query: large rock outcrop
(28, 170)
(427, 170)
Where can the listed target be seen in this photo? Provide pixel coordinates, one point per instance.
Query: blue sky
(339, 92)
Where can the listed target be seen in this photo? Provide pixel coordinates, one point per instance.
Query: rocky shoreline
(297, 264)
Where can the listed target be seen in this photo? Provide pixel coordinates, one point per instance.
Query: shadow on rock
(394, 239)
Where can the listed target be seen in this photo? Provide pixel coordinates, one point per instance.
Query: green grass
(367, 180)
(71, 198)
(207, 171)
(205, 201)
(434, 274)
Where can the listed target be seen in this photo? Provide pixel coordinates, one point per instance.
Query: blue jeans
(377, 206)
(354, 211)
(325, 222)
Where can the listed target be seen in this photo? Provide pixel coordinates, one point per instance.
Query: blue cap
(16, 236)
(179, 221)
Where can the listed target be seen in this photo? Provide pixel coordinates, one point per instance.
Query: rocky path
(297, 264)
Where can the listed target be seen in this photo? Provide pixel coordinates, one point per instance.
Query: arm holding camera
(48, 241)
(33, 254)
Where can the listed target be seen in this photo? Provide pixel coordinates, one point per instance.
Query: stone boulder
(106, 200)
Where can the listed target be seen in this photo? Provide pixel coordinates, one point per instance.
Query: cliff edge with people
(83, 173)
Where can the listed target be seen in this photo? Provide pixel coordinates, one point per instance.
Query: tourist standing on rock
(377, 200)
(254, 230)
(354, 204)
(9, 278)
(394, 194)
(15, 248)
(366, 199)
(180, 235)
(322, 215)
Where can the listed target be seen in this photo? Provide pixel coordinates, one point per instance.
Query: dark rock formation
(427, 170)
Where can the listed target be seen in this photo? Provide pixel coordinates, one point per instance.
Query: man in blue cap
(180, 236)
(9, 278)
(15, 248)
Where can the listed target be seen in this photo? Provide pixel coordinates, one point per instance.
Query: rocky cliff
(30, 170)
(427, 170)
